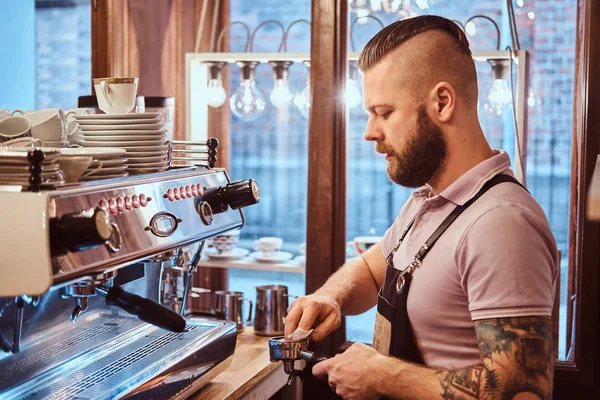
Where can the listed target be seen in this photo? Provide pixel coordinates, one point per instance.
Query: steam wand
(188, 277)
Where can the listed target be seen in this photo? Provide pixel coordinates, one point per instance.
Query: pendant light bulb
(499, 95)
(280, 96)
(215, 93)
(247, 103)
(352, 94)
(302, 98)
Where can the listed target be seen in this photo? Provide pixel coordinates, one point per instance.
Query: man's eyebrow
(372, 108)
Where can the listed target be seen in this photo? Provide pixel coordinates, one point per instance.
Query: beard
(422, 155)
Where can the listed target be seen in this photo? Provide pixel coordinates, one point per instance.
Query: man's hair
(450, 60)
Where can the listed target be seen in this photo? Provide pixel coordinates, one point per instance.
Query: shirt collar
(469, 183)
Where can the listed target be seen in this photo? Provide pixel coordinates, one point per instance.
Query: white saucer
(124, 138)
(147, 115)
(301, 259)
(147, 144)
(127, 127)
(277, 257)
(97, 153)
(153, 153)
(237, 252)
(150, 159)
(97, 121)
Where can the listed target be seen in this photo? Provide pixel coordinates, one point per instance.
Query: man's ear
(443, 98)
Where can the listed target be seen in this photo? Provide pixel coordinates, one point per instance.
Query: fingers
(320, 369)
(330, 324)
(309, 316)
(291, 320)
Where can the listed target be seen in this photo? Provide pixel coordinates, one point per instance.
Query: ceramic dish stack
(14, 167)
(142, 135)
(107, 162)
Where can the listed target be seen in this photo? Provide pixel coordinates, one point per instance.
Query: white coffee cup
(14, 128)
(226, 242)
(48, 125)
(116, 95)
(302, 248)
(268, 245)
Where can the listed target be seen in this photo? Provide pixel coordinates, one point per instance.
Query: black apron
(393, 335)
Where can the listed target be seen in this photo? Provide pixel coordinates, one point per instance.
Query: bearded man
(464, 278)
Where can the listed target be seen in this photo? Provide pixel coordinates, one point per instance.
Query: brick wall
(63, 53)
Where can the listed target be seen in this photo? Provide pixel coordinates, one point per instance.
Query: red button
(177, 194)
(188, 190)
(143, 200)
(200, 189)
(136, 201)
(128, 203)
(195, 190)
(103, 204)
(112, 206)
(120, 204)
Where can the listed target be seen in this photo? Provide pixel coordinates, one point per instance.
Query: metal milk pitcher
(271, 310)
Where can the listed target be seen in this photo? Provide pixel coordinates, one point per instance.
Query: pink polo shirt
(498, 259)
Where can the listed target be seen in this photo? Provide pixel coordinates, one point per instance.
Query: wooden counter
(248, 374)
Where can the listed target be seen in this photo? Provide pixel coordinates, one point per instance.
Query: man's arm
(516, 356)
(355, 286)
(351, 290)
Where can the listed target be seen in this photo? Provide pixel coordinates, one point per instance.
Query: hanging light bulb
(499, 95)
(352, 95)
(302, 98)
(215, 93)
(281, 95)
(247, 102)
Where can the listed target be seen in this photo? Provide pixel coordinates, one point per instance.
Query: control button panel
(119, 204)
(176, 193)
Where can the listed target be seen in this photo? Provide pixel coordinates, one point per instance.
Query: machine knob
(205, 212)
(235, 195)
(80, 231)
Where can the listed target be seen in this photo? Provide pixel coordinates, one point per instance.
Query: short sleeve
(508, 263)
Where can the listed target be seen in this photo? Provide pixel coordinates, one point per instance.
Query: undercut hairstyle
(443, 54)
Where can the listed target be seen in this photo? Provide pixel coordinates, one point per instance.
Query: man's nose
(373, 133)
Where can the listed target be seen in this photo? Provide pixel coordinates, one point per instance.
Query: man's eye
(386, 115)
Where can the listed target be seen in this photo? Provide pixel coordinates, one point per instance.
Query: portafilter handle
(145, 309)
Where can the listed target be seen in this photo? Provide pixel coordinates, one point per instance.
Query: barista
(469, 317)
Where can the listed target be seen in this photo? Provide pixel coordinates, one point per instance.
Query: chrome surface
(107, 353)
(107, 356)
(135, 242)
(271, 309)
(230, 306)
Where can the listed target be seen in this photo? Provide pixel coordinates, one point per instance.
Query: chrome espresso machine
(84, 267)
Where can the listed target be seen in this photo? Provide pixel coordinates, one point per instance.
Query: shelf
(300, 57)
(291, 266)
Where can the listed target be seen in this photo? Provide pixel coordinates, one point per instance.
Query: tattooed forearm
(516, 359)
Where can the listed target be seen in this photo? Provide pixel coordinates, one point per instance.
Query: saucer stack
(141, 135)
(14, 167)
(108, 163)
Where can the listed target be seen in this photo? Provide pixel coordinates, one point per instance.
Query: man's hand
(354, 374)
(308, 310)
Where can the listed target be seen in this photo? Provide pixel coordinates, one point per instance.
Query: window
(272, 149)
(50, 53)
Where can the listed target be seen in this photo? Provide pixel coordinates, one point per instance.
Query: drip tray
(107, 356)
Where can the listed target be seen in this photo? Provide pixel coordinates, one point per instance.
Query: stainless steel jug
(229, 306)
(271, 309)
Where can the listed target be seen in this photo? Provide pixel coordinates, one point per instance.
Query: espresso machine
(95, 282)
